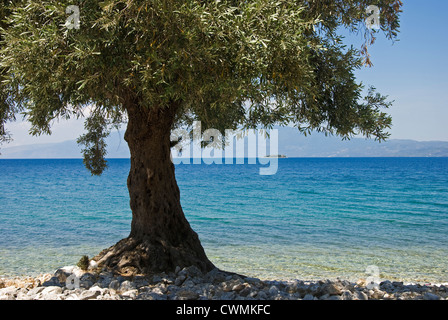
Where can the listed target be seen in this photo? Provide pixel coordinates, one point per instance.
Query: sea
(316, 218)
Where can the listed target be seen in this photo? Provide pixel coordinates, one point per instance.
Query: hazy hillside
(291, 143)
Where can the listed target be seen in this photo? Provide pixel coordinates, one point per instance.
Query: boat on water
(276, 156)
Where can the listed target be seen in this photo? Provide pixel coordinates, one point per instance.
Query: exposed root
(142, 256)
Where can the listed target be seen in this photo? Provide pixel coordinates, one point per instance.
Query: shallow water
(315, 218)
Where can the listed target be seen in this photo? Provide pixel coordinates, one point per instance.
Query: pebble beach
(72, 283)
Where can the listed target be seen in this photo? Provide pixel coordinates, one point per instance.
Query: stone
(191, 284)
(87, 280)
(227, 286)
(98, 288)
(261, 295)
(308, 296)
(9, 293)
(158, 291)
(52, 290)
(430, 296)
(335, 298)
(89, 294)
(92, 265)
(187, 295)
(141, 281)
(191, 272)
(126, 286)
(314, 289)
(114, 284)
(302, 288)
(23, 295)
(49, 293)
(273, 291)
(132, 294)
(253, 281)
(180, 279)
(387, 286)
(54, 281)
(61, 275)
(156, 278)
(228, 296)
(331, 289)
(324, 297)
(35, 291)
(247, 291)
(361, 295)
(238, 287)
(290, 288)
(104, 279)
(151, 296)
(347, 295)
(188, 284)
(72, 296)
(377, 294)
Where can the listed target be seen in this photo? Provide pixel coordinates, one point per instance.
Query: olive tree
(155, 65)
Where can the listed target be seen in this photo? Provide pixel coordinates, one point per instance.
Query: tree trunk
(161, 238)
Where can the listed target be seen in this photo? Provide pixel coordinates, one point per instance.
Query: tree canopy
(228, 63)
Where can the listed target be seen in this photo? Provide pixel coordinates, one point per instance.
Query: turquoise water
(314, 219)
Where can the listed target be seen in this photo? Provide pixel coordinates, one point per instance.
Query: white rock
(72, 296)
(89, 294)
(8, 293)
(157, 290)
(11, 290)
(35, 291)
(97, 288)
(52, 290)
(238, 287)
(93, 265)
(66, 269)
(23, 296)
(130, 294)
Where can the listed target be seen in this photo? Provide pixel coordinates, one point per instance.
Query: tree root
(132, 256)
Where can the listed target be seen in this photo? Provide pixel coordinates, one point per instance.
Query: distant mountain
(116, 146)
(291, 144)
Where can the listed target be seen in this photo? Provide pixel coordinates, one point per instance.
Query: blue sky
(412, 72)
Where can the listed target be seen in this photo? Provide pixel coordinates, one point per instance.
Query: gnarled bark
(161, 238)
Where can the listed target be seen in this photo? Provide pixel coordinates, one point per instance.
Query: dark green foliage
(6, 106)
(83, 263)
(95, 144)
(226, 63)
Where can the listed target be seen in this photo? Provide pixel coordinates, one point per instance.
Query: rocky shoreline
(71, 283)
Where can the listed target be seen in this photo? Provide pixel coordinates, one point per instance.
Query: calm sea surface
(314, 219)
